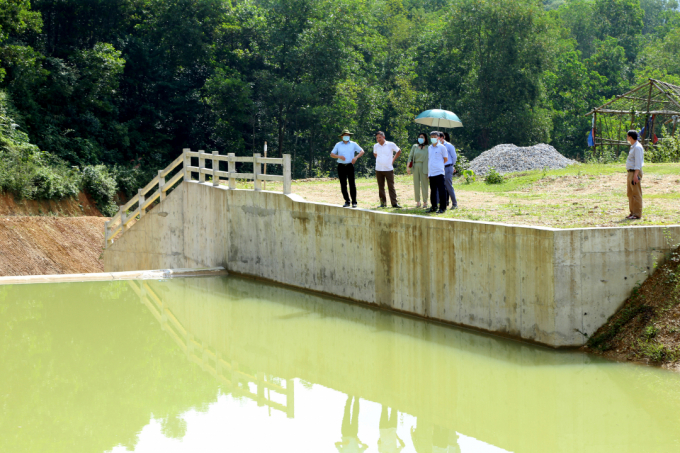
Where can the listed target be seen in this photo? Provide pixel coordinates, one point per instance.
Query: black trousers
(438, 191)
(346, 173)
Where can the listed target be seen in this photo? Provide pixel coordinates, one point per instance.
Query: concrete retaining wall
(545, 285)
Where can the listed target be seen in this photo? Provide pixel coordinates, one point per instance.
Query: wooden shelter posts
(648, 105)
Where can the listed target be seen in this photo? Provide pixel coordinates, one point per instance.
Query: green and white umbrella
(439, 118)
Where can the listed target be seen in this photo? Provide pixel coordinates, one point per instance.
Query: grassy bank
(647, 328)
(586, 195)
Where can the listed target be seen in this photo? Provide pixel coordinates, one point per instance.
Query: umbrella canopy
(439, 118)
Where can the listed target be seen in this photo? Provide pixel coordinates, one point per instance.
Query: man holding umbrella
(344, 152)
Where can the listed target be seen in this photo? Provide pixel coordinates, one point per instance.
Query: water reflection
(233, 364)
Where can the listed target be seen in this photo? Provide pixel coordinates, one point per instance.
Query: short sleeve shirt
(435, 155)
(385, 154)
(347, 151)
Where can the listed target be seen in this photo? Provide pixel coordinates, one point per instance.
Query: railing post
(161, 183)
(287, 180)
(106, 234)
(232, 170)
(260, 388)
(186, 162)
(201, 165)
(140, 194)
(215, 169)
(290, 398)
(257, 170)
(123, 218)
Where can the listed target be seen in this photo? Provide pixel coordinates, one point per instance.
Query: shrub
(462, 164)
(493, 177)
(469, 176)
(668, 151)
(101, 185)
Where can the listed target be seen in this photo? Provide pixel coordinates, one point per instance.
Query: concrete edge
(112, 276)
(298, 199)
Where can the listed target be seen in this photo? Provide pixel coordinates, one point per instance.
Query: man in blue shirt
(436, 162)
(344, 152)
(449, 169)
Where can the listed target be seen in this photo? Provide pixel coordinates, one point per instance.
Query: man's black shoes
(346, 205)
(432, 210)
(441, 211)
(354, 205)
(396, 206)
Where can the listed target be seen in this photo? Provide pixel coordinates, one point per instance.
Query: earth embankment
(35, 245)
(647, 327)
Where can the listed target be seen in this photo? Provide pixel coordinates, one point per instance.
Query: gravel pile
(511, 158)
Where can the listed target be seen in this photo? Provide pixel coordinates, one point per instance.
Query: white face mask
(434, 140)
(345, 138)
(421, 140)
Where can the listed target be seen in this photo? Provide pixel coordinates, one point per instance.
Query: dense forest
(101, 93)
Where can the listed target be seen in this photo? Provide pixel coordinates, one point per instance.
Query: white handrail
(123, 220)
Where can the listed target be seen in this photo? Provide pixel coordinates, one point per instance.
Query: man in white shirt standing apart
(634, 165)
(384, 153)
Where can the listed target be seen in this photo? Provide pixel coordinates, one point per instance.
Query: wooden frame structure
(648, 106)
(136, 207)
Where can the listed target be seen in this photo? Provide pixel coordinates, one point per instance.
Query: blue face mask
(421, 140)
(345, 138)
(434, 141)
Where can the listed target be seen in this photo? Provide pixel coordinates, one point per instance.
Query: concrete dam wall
(545, 285)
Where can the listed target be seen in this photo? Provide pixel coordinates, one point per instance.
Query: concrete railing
(124, 219)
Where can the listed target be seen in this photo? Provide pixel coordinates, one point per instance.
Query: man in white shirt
(634, 165)
(438, 155)
(384, 153)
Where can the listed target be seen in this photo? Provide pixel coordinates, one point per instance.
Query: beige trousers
(420, 181)
(634, 195)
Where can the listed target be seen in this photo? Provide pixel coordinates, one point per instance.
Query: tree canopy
(129, 83)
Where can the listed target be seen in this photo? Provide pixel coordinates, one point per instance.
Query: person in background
(437, 155)
(417, 159)
(389, 441)
(449, 169)
(384, 153)
(344, 152)
(634, 165)
(350, 442)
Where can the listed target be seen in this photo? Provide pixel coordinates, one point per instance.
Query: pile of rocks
(511, 158)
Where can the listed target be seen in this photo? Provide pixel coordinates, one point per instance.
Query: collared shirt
(452, 153)
(635, 159)
(435, 163)
(347, 151)
(385, 154)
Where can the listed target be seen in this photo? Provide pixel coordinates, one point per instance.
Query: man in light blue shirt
(436, 162)
(449, 169)
(344, 152)
(634, 165)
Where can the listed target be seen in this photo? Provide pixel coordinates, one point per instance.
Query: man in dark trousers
(344, 151)
(437, 158)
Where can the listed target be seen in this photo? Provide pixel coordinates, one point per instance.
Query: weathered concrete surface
(540, 284)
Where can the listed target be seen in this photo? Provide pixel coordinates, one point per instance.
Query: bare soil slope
(51, 245)
(84, 205)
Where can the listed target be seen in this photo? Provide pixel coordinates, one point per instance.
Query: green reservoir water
(234, 365)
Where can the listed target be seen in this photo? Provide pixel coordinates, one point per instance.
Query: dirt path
(51, 245)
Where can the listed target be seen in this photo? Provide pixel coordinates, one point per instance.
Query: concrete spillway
(545, 285)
